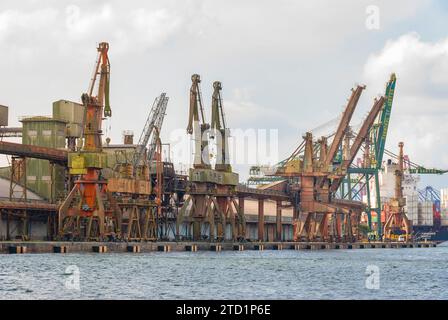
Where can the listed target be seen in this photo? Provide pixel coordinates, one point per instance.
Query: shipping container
(444, 217)
(411, 208)
(444, 198)
(426, 213)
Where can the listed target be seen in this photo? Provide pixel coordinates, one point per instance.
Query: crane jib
(381, 133)
(107, 109)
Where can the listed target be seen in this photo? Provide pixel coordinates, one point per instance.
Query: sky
(285, 65)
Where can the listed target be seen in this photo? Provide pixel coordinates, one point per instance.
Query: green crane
(422, 170)
(373, 158)
(379, 131)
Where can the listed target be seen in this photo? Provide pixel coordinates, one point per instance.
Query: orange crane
(90, 212)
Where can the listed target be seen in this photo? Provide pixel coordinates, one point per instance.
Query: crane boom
(361, 136)
(343, 124)
(198, 126)
(218, 125)
(157, 126)
(92, 118)
(422, 170)
(415, 168)
(154, 120)
(218, 120)
(102, 68)
(195, 104)
(381, 133)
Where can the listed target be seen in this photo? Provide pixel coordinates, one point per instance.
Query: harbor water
(415, 273)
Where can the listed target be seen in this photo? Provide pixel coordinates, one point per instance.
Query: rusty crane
(131, 181)
(397, 222)
(210, 203)
(315, 176)
(90, 212)
(225, 195)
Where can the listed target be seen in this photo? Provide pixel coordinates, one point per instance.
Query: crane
(335, 178)
(197, 125)
(153, 122)
(131, 182)
(397, 221)
(328, 154)
(360, 138)
(374, 149)
(218, 125)
(328, 157)
(89, 211)
(379, 131)
(343, 124)
(319, 214)
(211, 192)
(151, 131)
(225, 197)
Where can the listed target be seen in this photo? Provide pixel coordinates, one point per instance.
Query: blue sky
(285, 65)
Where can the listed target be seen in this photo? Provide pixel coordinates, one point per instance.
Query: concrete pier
(23, 247)
(216, 247)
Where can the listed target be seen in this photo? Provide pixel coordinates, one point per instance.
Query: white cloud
(81, 22)
(155, 26)
(243, 112)
(298, 59)
(11, 20)
(420, 110)
(22, 34)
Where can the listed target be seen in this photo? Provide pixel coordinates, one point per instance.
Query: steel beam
(30, 151)
(261, 219)
(279, 221)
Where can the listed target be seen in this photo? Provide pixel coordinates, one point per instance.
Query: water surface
(417, 273)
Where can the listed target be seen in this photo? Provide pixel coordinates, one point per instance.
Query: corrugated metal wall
(44, 132)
